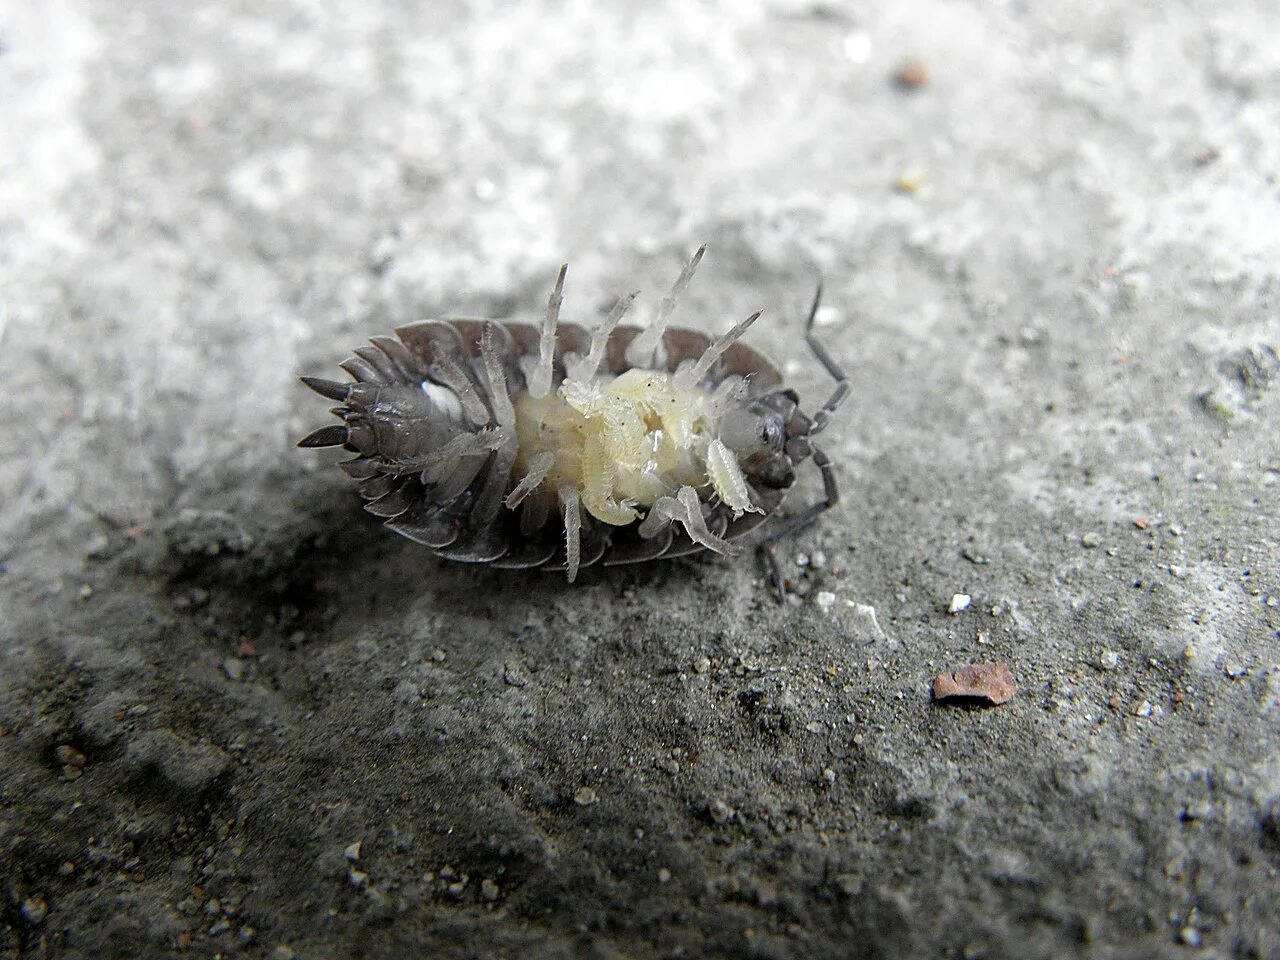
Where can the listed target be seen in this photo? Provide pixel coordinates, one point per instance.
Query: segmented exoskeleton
(506, 444)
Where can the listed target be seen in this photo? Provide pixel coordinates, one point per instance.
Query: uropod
(517, 446)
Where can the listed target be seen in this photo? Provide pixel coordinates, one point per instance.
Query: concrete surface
(241, 720)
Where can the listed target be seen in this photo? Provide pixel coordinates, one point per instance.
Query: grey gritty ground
(292, 734)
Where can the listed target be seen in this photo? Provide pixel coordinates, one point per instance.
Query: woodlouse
(502, 443)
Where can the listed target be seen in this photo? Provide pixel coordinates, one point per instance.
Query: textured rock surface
(301, 736)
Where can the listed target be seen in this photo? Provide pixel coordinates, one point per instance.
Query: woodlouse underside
(518, 446)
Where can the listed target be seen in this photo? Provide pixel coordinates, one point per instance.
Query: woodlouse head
(762, 434)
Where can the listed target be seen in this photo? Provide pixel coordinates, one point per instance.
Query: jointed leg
(540, 377)
(685, 508)
(640, 352)
(585, 369)
(823, 416)
(569, 509)
(687, 376)
(769, 545)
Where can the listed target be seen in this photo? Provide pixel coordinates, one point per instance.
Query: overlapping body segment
(524, 446)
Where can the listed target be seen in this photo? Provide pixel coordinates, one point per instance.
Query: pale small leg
(640, 352)
(539, 467)
(569, 507)
(464, 445)
(540, 379)
(688, 376)
(503, 411)
(687, 509)
(586, 368)
(729, 393)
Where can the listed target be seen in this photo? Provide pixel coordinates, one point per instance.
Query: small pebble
(959, 601)
(1090, 540)
(358, 878)
(829, 775)
(1108, 660)
(233, 667)
(701, 665)
(910, 181)
(489, 890)
(34, 910)
(585, 797)
(86, 591)
(354, 851)
(912, 75)
(992, 682)
(1189, 936)
(824, 599)
(69, 756)
(866, 614)
(283, 952)
(818, 561)
(664, 875)
(719, 811)
(1144, 709)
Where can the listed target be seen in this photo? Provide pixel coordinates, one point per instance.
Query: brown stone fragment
(71, 757)
(913, 74)
(991, 682)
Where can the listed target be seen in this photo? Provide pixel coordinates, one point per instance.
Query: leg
(585, 369)
(823, 416)
(540, 378)
(686, 508)
(640, 352)
(572, 529)
(688, 376)
(792, 524)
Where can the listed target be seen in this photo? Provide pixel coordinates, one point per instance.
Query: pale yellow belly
(621, 442)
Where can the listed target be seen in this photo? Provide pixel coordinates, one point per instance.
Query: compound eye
(771, 433)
